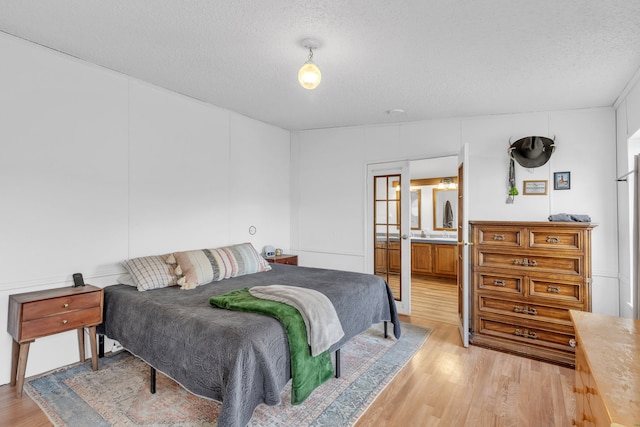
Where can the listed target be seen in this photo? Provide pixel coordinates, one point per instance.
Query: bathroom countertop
(440, 241)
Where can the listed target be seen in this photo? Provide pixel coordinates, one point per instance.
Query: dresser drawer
(47, 307)
(528, 262)
(557, 290)
(497, 236)
(60, 322)
(525, 310)
(504, 283)
(553, 238)
(529, 333)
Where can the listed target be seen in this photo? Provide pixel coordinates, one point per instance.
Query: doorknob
(405, 236)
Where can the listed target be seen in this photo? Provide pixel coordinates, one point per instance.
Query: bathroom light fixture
(447, 184)
(309, 75)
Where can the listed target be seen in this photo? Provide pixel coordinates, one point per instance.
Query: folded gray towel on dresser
(563, 217)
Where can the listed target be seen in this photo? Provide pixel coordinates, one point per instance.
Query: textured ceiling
(433, 59)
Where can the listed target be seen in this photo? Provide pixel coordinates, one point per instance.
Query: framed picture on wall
(534, 188)
(561, 180)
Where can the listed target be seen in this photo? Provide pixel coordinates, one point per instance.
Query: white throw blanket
(320, 318)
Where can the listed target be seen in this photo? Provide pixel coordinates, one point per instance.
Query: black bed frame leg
(338, 363)
(100, 345)
(152, 385)
(386, 335)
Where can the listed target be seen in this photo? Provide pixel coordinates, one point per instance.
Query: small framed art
(534, 188)
(561, 180)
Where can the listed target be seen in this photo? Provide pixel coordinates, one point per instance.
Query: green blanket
(307, 372)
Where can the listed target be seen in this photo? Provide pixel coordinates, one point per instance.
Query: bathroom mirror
(416, 202)
(445, 209)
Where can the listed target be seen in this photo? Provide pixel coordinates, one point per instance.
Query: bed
(240, 359)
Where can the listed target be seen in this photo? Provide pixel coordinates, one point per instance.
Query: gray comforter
(241, 359)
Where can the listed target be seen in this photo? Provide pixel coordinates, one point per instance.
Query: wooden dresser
(607, 370)
(526, 276)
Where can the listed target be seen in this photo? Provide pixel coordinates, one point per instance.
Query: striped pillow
(197, 267)
(151, 272)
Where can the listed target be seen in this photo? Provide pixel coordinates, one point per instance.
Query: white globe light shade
(309, 76)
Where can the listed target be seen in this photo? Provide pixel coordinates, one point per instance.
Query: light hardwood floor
(444, 384)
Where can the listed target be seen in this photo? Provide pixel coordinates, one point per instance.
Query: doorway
(434, 242)
(413, 242)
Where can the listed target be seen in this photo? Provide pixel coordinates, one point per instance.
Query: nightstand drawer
(43, 308)
(49, 325)
(284, 259)
(289, 261)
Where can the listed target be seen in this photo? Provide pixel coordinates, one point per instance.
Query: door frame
(368, 212)
(463, 277)
(391, 168)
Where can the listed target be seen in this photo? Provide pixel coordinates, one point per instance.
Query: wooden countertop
(612, 348)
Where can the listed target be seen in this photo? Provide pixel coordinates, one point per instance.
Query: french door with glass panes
(391, 234)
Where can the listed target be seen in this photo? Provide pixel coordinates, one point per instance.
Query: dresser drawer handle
(65, 305)
(525, 310)
(525, 262)
(64, 322)
(500, 283)
(525, 334)
(499, 237)
(553, 239)
(572, 344)
(553, 289)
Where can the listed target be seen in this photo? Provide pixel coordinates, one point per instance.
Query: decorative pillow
(127, 279)
(151, 272)
(201, 266)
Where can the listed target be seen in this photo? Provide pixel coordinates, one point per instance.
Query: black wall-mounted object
(78, 280)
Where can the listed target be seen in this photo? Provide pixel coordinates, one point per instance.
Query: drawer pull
(572, 344)
(525, 310)
(500, 283)
(66, 305)
(553, 239)
(525, 334)
(64, 322)
(499, 237)
(553, 289)
(525, 262)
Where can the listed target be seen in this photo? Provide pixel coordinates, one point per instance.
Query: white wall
(97, 167)
(329, 165)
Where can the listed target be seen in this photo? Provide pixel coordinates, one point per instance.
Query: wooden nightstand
(42, 313)
(284, 259)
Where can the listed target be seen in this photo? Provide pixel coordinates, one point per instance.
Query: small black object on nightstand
(78, 280)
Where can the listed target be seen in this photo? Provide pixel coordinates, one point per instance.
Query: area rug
(118, 393)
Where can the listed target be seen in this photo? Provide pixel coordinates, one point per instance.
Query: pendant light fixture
(309, 75)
